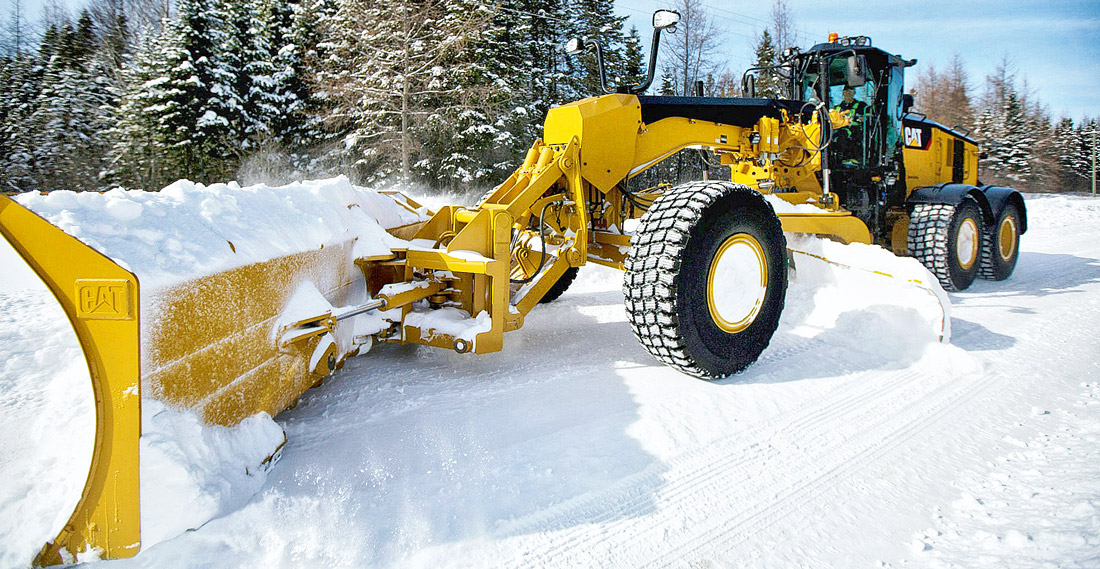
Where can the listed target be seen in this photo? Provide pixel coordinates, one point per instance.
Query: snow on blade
(895, 292)
(190, 472)
(188, 230)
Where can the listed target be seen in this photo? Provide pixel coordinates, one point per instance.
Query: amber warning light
(833, 37)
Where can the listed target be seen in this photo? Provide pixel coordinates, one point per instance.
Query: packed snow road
(857, 440)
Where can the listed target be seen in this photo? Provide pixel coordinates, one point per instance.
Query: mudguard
(999, 197)
(953, 195)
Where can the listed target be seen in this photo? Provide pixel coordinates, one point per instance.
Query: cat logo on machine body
(918, 135)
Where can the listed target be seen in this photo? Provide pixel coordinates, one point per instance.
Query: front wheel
(706, 278)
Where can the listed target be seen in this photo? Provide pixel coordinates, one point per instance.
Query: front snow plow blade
(100, 300)
(247, 333)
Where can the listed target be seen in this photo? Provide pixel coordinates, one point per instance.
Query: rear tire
(706, 278)
(947, 240)
(1001, 246)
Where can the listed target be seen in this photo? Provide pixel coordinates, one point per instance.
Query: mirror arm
(600, 65)
(639, 89)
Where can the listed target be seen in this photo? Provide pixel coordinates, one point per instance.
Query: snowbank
(900, 305)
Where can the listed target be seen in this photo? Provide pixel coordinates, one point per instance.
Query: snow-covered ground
(857, 440)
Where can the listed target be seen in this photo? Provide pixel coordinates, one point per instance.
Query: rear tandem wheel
(1001, 246)
(706, 278)
(948, 241)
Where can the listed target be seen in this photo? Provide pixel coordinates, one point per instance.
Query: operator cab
(874, 80)
(863, 159)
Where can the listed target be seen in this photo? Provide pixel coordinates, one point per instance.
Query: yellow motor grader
(705, 262)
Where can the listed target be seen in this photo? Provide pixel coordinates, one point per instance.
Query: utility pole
(1094, 125)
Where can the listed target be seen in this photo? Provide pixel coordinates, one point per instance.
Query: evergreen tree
(181, 106)
(139, 156)
(634, 60)
(69, 116)
(23, 80)
(768, 81)
(532, 67)
(462, 151)
(393, 79)
(302, 61)
(1017, 150)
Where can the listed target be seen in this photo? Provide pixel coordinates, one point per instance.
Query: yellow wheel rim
(1006, 239)
(737, 283)
(966, 243)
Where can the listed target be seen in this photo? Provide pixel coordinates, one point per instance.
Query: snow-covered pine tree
(139, 154)
(175, 120)
(70, 117)
(22, 76)
(287, 92)
(1073, 148)
(466, 134)
(1019, 141)
(311, 33)
(239, 70)
(634, 59)
(392, 73)
(538, 30)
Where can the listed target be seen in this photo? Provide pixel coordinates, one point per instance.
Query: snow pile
(897, 305)
(1047, 211)
(188, 230)
(857, 439)
(192, 472)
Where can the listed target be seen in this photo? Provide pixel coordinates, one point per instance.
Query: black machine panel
(742, 112)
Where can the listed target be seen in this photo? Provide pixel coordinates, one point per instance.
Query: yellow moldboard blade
(100, 300)
(210, 344)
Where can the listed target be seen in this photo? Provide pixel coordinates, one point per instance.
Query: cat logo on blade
(103, 299)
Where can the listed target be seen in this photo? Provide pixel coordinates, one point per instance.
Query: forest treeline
(447, 94)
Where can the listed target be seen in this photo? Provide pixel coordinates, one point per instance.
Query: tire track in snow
(703, 472)
(885, 436)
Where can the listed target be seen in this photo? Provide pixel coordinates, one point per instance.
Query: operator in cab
(850, 138)
(857, 108)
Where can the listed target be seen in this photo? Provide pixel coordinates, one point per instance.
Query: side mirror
(855, 74)
(664, 19)
(575, 46)
(789, 53)
(906, 103)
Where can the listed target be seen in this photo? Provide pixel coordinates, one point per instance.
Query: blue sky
(1054, 44)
